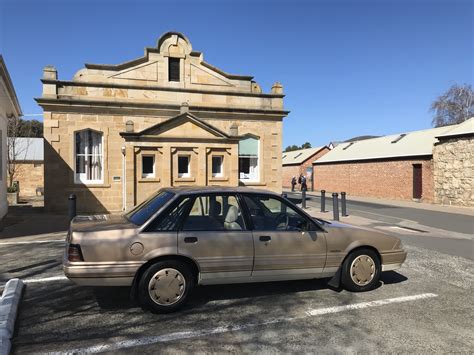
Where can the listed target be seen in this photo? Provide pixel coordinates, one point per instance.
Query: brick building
(299, 162)
(398, 166)
(116, 133)
(28, 165)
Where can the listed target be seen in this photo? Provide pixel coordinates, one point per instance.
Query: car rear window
(142, 212)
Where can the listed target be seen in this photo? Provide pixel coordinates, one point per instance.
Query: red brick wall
(381, 179)
(289, 171)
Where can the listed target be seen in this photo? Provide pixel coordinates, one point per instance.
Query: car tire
(361, 270)
(165, 286)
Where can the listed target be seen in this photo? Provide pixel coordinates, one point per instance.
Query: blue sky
(348, 68)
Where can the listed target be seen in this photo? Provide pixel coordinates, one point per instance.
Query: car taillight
(74, 253)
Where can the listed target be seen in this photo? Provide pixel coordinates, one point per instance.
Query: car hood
(337, 224)
(97, 223)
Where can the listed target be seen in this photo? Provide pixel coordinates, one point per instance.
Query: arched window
(248, 159)
(88, 157)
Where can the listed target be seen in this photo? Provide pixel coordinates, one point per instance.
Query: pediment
(204, 76)
(147, 71)
(182, 126)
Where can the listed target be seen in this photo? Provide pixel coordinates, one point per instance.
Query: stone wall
(454, 171)
(31, 176)
(390, 179)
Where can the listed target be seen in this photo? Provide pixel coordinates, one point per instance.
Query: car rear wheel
(361, 270)
(164, 287)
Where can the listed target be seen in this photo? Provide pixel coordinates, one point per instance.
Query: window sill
(218, 178)
(149, 179)
(185, 179)
(253, 183)
(92, 186)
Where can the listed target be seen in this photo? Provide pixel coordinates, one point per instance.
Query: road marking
(118, 345)
(408, 229)
(34, 242)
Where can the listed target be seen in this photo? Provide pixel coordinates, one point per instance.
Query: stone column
(130, 175)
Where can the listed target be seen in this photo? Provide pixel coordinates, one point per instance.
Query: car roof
(185, 190)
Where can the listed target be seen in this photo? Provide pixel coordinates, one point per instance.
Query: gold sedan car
(182, 237)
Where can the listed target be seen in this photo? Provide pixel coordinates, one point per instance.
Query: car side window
(272, 214)
(170, 218)
(214, 212)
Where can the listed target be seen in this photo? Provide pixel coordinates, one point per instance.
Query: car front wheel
(361, 270)
(164, 287)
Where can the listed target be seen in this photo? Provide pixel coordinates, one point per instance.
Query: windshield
(142, 212)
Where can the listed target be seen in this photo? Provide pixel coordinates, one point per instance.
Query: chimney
(277, 88)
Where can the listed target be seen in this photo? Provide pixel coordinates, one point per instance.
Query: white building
(9, 107)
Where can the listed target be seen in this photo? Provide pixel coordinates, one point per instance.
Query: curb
(9, 303)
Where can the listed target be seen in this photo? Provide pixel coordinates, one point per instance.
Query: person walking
(303, 183)
(293, 183)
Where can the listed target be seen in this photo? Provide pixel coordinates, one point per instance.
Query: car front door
(215, 235)
(288, 245)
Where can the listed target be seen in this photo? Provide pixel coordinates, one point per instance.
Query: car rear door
(287, 244)
(215, 235)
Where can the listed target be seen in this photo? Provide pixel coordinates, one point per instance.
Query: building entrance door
(417, 181)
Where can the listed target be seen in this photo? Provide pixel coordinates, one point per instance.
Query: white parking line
(34, 242)
(236, 327)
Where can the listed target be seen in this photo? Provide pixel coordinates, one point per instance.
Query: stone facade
(288, 171)
(30, 175)
(454, 171)
(168, 104)
(389, 179)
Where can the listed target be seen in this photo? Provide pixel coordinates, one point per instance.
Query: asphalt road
(452, 222)
(424, 307)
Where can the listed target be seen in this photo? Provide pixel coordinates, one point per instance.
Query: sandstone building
(299, 162)
(28, 165)
(116, 133)
(9, 107)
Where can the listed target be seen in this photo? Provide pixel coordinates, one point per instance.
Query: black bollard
(335, 206)
(323, 200)
(72, 206)
(303, 198)
(343, 205)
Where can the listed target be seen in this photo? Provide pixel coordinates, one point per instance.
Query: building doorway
(417, 181)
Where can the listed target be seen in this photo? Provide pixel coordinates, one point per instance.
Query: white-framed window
(88, 157)
(183, 165)
(217, 165)
(248, 159)
(148, 166)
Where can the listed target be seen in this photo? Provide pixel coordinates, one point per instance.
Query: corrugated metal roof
(30, 149)
(416, 143)
(299, 156)
(467, 127)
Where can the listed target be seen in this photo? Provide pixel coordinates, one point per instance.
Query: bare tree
(16, 149)
(453, 107)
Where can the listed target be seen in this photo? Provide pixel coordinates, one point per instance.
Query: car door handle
(265, 238)
(190, 240)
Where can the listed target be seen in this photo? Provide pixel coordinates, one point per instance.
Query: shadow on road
(24, 221)
(119, 297)
(392, 277)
